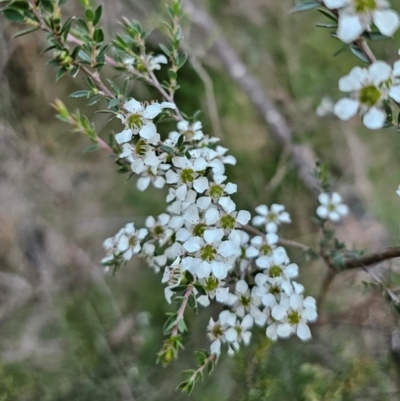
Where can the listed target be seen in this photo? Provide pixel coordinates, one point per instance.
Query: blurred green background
(70, 331)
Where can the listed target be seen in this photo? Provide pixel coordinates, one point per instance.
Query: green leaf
(181, 60)
(359, 54)
(94, 100)
(20, 5)
(328, 14)
(192, 301)
(165, 50)
(168, 149)
(84, 56)
(93, 148)
(25, 32)
(114, 87)
(308, 5)
(331, 26)
(89, 14)
(97, 15)
(124, 86)
(113, 103)
(61, 72)
(98, 36)
(13, 14)
(82, 93)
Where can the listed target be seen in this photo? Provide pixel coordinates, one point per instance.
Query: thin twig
(181, 311)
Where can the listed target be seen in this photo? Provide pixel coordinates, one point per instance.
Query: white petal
(228, 205)
(199, 164)
(148, 131)
(374, 118)
(241, 287)
(159, 182)
(262, 209)
(221, 294)
(269, 300)
(247, 322)
(387, 21)
(193, 244)
(322, 211)
(284, 330)
(215, 347)
(124, 136)
(231, 335)
(143, 183)
(396, 68)
(183, 235)
(230, 188)
(214, 235)
(379, 72)
(219, 269)
(335, 4)
(354, 80)
(278, 312)
(350, 28)
(171, 177)
(271, 332)
(211, 216)
(243, 217)
(133, 106)
(303, 332)
(346, 108)
(342, 209)
(258, 220)
(152, 111)
(200, 184)
(203, 300)
(296, 301)
(203, 202)
(168, 105)
(251, 252)
(394, 93)
(227, 248)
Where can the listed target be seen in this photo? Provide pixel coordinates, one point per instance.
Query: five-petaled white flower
(356, 16)
(331, 207)
(272, 217)
(368, 89)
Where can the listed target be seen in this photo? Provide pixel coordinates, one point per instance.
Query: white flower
(398, 190)
(291, 316)
(368, 88)
(261, 246)
(159, 228)
(356, 16)
(246, 301)
(129, 241)
(240, 332)
(331, 207)
(272, 218)
(153, 62)
(192, 132)
(138, 117)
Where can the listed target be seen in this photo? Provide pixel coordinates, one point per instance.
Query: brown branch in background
(302, 155)
(373, 258)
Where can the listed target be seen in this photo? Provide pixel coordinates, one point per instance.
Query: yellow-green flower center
(189, 134)
(211, 284)
(275, 290)
(369, 95)
(362, 6)
(187, 175)
(245, 300)
(216, 191)
(217, 331)
(158, 231)
(132, 241)
(208, 253)
(265, 249)
(134, 121)
(275, 271)
(272, 217)
(294, 317)
(227, 222)
(199, 229)
(140, 147)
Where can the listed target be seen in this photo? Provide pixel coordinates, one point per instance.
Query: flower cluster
(200, 241)
(356, 17)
